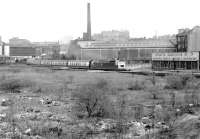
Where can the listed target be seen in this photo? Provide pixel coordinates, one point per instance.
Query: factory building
(18, 52)
(47, 50)
(113, 35)
(117, 44)
(194, 40)
(188, 40)
(175, 61)
(136, 51)
(18, 42)
(20, 48)
(187, 58)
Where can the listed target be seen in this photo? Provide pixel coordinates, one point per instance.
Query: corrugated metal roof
(147, 43)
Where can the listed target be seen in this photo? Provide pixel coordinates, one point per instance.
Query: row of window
(57, 63)
(78, 63)
(175, 65)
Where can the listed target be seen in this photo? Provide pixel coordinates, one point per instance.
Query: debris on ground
(6, 102)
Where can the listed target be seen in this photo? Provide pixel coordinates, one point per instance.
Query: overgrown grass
(136, 85)
(12, 85)
(108, 88)
(177, 82)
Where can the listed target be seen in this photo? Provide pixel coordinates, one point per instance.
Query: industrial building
(187, 56)
(188, 40)
(113, 35)
(22, 48)
(136, 51)
(175, 61)
(18, 48)
(117, 44)
(47, 50)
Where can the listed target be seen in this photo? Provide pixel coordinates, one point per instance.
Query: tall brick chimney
(89, 37)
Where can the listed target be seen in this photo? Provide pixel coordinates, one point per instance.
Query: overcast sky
(50, 20)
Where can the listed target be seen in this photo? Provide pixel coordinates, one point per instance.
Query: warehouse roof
(144, 43)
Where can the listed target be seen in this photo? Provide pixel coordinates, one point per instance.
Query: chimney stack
(89, 37)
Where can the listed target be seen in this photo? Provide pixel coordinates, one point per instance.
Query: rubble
(60, 117)
(6, 102)
(56, 103)
(2, 116)
(50, 102)
(106, 125)
(137, 129)
(29, 110)
(44, 115)
(27, 132)
(46, 100)
(26, 115)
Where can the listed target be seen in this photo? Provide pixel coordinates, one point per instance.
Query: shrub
(191, 97)
(136, 85)
(14, 85)
(155, 93)
(177, 82)
(71, 79)
(102, 84)
(92, 99)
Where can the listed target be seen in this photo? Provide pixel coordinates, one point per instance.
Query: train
(107, 65)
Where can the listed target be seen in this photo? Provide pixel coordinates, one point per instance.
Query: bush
(14, 85)
(136, 85)
(155, 93)
(177, 82)
(92, 99)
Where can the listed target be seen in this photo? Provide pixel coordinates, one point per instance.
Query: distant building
(175, 61)
(4, 49)
(113, 35)
(188, 40)
(64, 48)
(17, 42)
(47, 50)
(182, 40)
(131, 51)
(188, 48)
(194, 40)
(20, 48)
